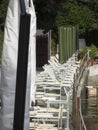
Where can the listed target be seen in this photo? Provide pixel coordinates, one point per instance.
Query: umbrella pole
(22, 65)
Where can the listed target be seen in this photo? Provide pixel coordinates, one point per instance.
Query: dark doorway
(42, 50)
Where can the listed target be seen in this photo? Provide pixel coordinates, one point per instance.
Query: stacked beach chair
(53, 95)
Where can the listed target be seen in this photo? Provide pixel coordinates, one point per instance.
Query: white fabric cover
(93, 70)
(9, 65)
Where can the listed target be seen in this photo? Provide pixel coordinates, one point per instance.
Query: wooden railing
(77, 117)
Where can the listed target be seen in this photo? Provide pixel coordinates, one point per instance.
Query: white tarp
(93, 75)
(93, 70)
(9, 65)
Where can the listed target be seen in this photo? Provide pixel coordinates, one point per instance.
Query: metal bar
(21, 77)
(81, 117)
(22, 6)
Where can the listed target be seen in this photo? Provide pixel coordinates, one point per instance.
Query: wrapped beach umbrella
(18, 65)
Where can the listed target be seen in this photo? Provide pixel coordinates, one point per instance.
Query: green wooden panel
(61, 45)
(67, 42)
(74, 39)
(70, 42)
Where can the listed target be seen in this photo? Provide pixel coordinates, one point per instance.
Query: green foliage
(46, 13)
(3, 10)
(83, 51)
(93, 51)
(54, 13)
(76, 14)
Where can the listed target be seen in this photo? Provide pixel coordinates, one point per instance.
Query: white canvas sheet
(9, 65)
(93, 70)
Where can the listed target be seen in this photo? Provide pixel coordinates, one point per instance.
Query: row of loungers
(54, 95)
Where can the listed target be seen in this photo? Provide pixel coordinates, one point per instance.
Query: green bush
(93, 51)
(76, 14)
